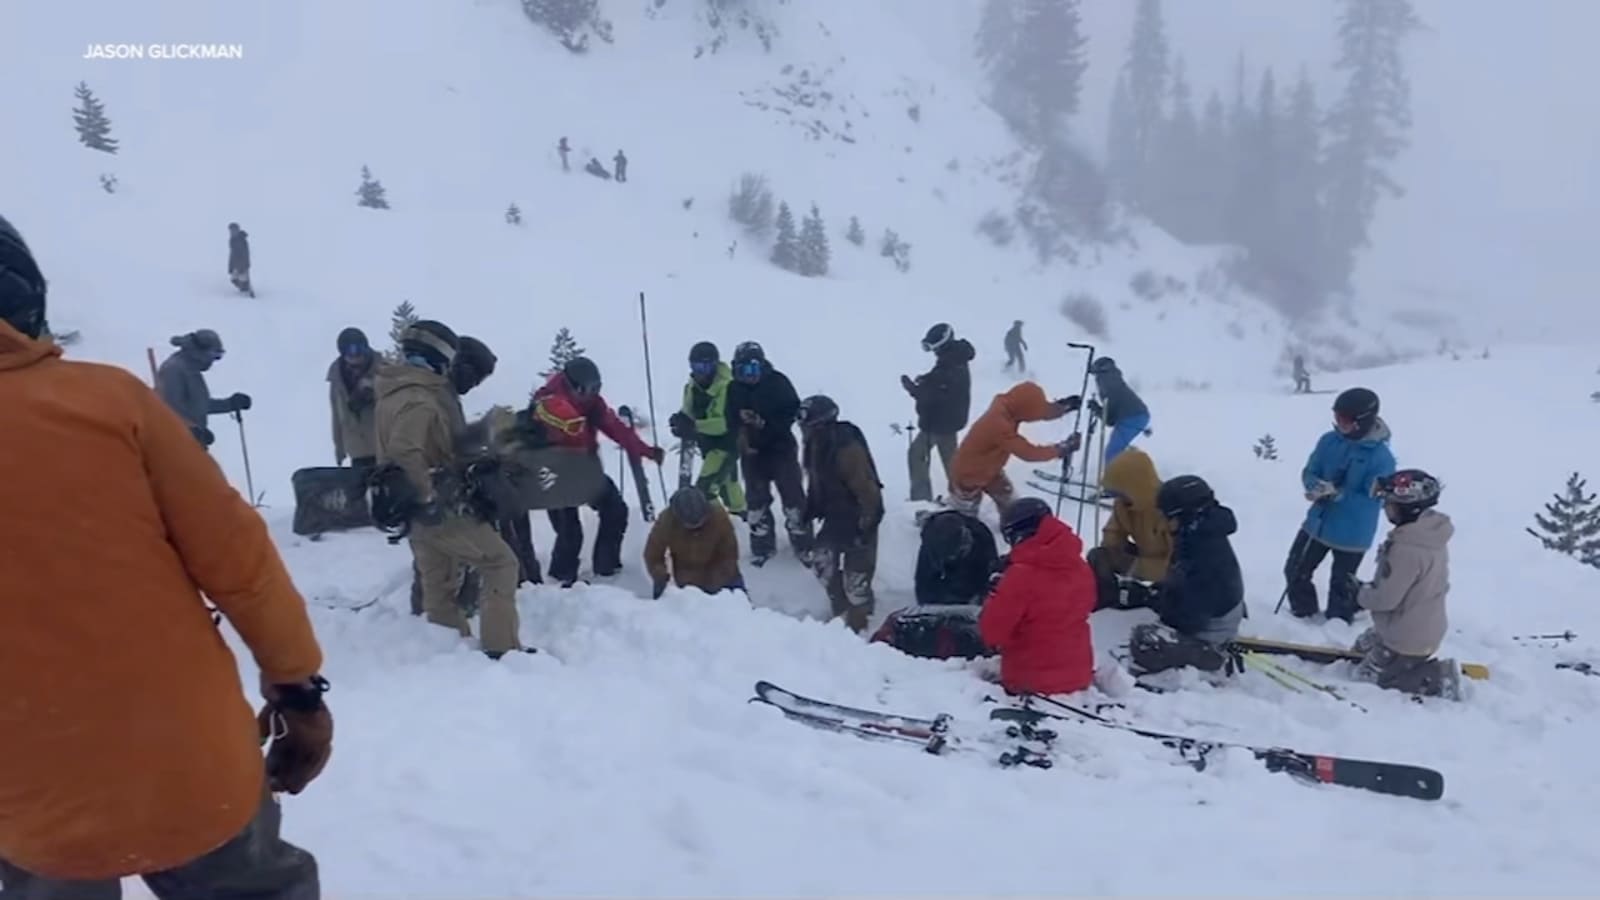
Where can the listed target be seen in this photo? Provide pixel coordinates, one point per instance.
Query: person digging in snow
(955, 561)
(239, 259)
(1407, 598)
(1016, 360)
(130, 747)
(844, 492)
(1122, 410)
(1038, 616)
(704, 420)
(979, 464)
(944, 402)
(692, 544)
(596, 169)
(353, 400)
(1201, 601)
(1136, 543)
(762, 405)
(1338, 479)
(181, 382)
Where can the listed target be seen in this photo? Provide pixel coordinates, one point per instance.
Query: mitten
(203, 435)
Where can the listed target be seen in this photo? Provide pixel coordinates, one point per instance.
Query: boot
(855, 618)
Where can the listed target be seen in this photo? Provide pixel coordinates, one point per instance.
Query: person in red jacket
(573, 413)
(1038, 615)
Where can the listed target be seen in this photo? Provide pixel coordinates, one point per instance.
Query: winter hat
(1021, 519)
(22, 287)
(353, 337)
(431, 341)
(946, 536)
(691, 506)
(818, 409)
(1103, 365)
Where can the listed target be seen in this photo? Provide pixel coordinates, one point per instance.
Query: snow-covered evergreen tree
(786, 247)
(855, 234)
(1147, 70)
(1122, 147)
(1038, 83)
(403, 317)
(1294, 240)
(562, 350)
(371, 193)
(89, 117)
(813, 252)
(513, 215)
(891, 247)
(1571, 522)
(571, 21)
(1183, 192)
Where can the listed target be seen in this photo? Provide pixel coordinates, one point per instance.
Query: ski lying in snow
(1076, 491)
(1582, 668)
(1319, 654)
(647, 506)
(1396, 779)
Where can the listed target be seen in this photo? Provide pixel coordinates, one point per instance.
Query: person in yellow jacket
(1136, 543)
(704, 420)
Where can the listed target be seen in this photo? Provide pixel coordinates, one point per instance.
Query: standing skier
(130, 746)
(1015, 346)
(692, 544)
(1123, 412)
(980, 460)
(563, 148)
(1302, 378)
(621, 163)
(704, 420)
(239, 259)
(843, 490)
(352, 399)
(571, 411)
(1038, 615)
(181, 382)
(1339, 478)
(762, 405)
(944, 402)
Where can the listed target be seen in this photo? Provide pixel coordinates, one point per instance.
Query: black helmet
(1359, 405)
(818, 409)
(351, 339)
(22, 288)
(748, 361)
(1184, 494)
(473, 364)
(1102, 365)
(747, 351)
(1413, 490)
(433, 341)
(691, 506)
(582, 375)
(946, 537)
(704, 352)
(938, 336)
(1021, 519)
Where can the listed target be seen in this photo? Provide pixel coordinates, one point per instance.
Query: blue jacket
(1349, 520)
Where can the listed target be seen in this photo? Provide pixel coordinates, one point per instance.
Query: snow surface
(623, 759)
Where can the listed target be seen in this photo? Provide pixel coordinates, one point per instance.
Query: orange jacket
(994, 438)
(126, 742)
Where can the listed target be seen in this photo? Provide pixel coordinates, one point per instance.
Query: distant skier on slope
(621, 162)
(692, 544)
(1016, 360)
(239, 259)
(181, 382)
(943, 395)
(563, 148)
(1302, 378)
(991, 442)
(1123, 412)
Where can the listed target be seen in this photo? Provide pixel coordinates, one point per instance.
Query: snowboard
(1324, 655)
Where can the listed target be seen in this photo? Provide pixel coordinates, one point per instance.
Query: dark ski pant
(780, 467)
(1015, 359)
(1110, 590)
(257, 864)
(846, 574)
(1305, 555)
(1420, 675)
(1153, 647)
(568, 526)
(920, 456)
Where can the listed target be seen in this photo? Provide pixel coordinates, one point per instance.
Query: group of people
(594, 167)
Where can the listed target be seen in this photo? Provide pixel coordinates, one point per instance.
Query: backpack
(934, 632)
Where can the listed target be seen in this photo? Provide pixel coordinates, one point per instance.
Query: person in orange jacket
(1038, 614)
(129, 746)
(980, 460)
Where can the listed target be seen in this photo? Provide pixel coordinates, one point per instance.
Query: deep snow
(623, 759)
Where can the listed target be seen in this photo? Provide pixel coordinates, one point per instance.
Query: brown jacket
(706, 557)
(842, 486)
(418, 418)
(995, 438)
(127, 744)
(355, 428)
(1134, 517)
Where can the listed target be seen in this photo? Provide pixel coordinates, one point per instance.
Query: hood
(1053, 546)
(1431, 530)
(1217, 521)
(956, 352)
(1132, 474)
(1026, 402)
(394, 378)
(18, 352)
(1379, 433)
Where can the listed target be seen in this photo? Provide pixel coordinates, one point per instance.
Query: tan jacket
(354, 430)
(1132, 477)
(706, 557)
(1407, 597)
(418, 417)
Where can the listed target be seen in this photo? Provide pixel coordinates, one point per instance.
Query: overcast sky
(1501, 174)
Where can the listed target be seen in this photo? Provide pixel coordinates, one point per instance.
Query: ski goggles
(703, 367)
(353, 350)
(748, 370)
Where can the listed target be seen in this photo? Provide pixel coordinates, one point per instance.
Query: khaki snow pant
(968, 499)
(441, 550)
(920, 456)
(256, 865)
(846, 573)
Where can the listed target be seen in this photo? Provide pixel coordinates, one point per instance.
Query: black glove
(239, 402)
(655, 455)
(1070, 404)
(1094, 408)
(429, 513)
(681, 426)
(658, 588)
(203, 435)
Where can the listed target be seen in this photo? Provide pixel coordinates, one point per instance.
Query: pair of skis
(1027, 724)
(1054, 484)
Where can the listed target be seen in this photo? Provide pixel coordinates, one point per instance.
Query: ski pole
(1066, 463)
(249, 481)
(650, 395)
(1282, 674)
(1298, 559)
(1099, 510)
(1563, 636)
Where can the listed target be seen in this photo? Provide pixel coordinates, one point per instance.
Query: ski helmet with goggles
(22, 287)
(1021, 519)
(704, 352)
(1183, 495)
(748, 361)
(582, 375)
(352, 341)
(1359, 406)
(431, 341)
(1412, 490)
(938, 336)
(818, 409)
(1102, 365)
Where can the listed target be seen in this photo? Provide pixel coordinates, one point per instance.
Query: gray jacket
(182, 385)
(1407, 597)
(1119, 400)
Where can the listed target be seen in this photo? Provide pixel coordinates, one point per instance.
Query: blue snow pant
(1123, 433)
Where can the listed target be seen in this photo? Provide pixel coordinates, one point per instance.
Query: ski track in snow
(623, 759)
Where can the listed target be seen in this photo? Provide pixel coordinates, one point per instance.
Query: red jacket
(571, 422)
(1038, 616)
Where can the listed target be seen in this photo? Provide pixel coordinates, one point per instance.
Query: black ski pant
(256, 864)
(1015, 359)
(776, 466)
(1305, 555)
(568, 526)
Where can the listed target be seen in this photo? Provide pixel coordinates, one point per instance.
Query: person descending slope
(239, 259)
(704, 420)
(1338, 478)
(1123, 412)
(762, 405)
(1016, 360)
(692, 544)
(1038, 615)
(979, 465)
(353, 400)
(944, 403)
(130, 748)
(181, 382)
(1137, 540)
(843, 491)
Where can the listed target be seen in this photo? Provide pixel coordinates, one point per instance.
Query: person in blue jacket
(1339, 480)
(1123, 411)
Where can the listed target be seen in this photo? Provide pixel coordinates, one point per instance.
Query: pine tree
(513, 215)
(89, 117)
(1367, 126)
(1295, 232)
(813, 252)
(1122, 144)
(1261, 151)
(854, 234)
(786, 249)
(997, 31)
(403, 317)
(562, 350)
(1039, 83)
(1571, 523)
(1147, 70)
(1266, 448)
(1214, 168)
(1184, 195)
(1238, 207)
(371, 193)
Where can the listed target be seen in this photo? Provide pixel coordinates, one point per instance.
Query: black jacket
(1203, 580)
(1120, 401)
(944, 393)
(774, 399)
(960, 581)
(239, 251)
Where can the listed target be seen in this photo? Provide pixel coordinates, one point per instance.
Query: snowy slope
(623, 760)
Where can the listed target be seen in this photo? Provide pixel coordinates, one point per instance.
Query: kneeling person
(1201, 602)
(696, 537)
(1038, 615)
(955, 561)
(1136, 545)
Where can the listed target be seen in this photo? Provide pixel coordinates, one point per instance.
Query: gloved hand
(338, 457)
(655, 455)
(681, 426)
(203, 435)
(1095, 409)
(1322, 490)
(1069, 446)
(752, 418)
(658, 588)
(1070, 404)
(300, 728)
(429, 513)
(908, 384)
(239, 402)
